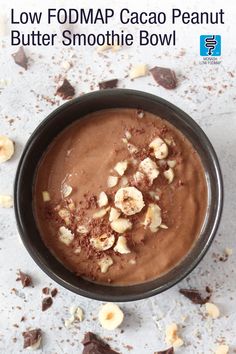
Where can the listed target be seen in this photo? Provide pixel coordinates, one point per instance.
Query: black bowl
(42, 137)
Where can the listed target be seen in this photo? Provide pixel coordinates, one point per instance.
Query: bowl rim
(107, 297)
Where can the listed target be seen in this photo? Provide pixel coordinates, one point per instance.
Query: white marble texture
(214, 110)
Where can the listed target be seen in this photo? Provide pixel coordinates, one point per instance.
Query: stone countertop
(205, 92)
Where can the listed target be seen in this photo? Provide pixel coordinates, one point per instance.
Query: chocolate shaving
(93, 344)
(32, 337)
(167, 351)
(164, 77)
(109, 84)
(25, 279)
(195, 296)
(46, 303)
(54, 292)
(20, 58)
(66, 90)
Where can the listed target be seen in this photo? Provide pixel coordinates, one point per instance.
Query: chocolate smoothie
(120, 196)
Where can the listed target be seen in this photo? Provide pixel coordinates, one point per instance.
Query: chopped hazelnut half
(149, 168)
(100, 213)
(114, 214)
(121, 245)
(228, 251)
(65, 215)
(6, 201)
(132, 149)
(112, 181)
(171, 163)
(81, 229)
(110, 317)
(160, 148)
(121, 167)
(222, 349)
(6, 148)
(121, 225)
(105, 263)
(46, 196)
(102, 199)
(139, 177)
(103, 242)
(128, 135)
(153, 217)
(65, 235)
(212, 310)
(138, 71)
(124, 181)
(79, 314)
(77, 250)
(129, 200)
(163, 226)
(169, 175)
(172, 337)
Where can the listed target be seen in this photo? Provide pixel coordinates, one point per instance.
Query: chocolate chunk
(164, 77)
(93, 344)
(108, 84)
(25, 279)
(65, 90)
(195, 296)
(20, 58)
(46, 303)
(54, 292)
(46, 291)
(32, 338)
(167, 351)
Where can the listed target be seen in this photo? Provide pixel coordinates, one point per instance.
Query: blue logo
(210, 45)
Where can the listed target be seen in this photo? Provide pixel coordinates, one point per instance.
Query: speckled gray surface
(208, 94)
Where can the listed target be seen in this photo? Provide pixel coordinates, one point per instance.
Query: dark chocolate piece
(54, 292)
(20, 58)
(65, 90)
(25, 279)
(108, 84)
(164, 77)
(46, 291)
(195, 296)
(167, 351)
(46, 303)
(32, 337)
(93, 344)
